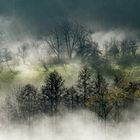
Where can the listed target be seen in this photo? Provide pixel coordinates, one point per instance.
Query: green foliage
(90, 92)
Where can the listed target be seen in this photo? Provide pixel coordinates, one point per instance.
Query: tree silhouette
(85, 85)
(114, 48)
(70, 98)
(129, 47)
(53, 90)
(23, 51)
(101, 91)
(27, 102)
(66, 37)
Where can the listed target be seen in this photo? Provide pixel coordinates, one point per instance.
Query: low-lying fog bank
(81, 125)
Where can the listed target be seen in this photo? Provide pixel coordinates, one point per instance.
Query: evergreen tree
(85, 85)
(53, 90)
(27, 102)
(102, 105)
(70, 98)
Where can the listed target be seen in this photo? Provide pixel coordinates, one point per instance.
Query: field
(21, 75)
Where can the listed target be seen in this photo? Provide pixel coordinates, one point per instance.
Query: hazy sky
(102, 14)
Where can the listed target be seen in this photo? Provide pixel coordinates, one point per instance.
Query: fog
(81, 125)
(76, 125)
(117, 34)
(15, 32)
(28, 21)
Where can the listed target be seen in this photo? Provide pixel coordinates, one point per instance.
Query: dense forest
(107, 83)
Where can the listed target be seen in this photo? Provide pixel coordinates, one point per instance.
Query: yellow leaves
(137, 94)
(114, 94)
(90, 101)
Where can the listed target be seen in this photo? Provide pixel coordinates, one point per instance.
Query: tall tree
(27, 102)
(129, 47)
(85, 85)
(66, 37)
(133, 47)
(90, 54)
(74, 36)
(23, 51)
(7, 56)
(54, 40)
(114, 48)
(53, 90)
(101, 92)
(70, 98)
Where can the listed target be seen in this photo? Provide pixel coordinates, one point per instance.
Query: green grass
(68, 72)
(36, 75)
(8, 76)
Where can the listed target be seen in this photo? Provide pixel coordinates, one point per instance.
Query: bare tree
(114, 48)
(22, 51)
(133, 47)
(66, 37)
(74, 35)
(55, 42)
(129, 47)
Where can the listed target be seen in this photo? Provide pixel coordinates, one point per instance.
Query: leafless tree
(129, 47)
(66, 37)
(55, 42)
(73, 35)
(7, 56)
(22, 51)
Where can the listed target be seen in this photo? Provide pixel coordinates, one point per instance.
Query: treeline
(121, 48)
(67, 40)
(123, 52)
(69, 37)
(91, 92)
